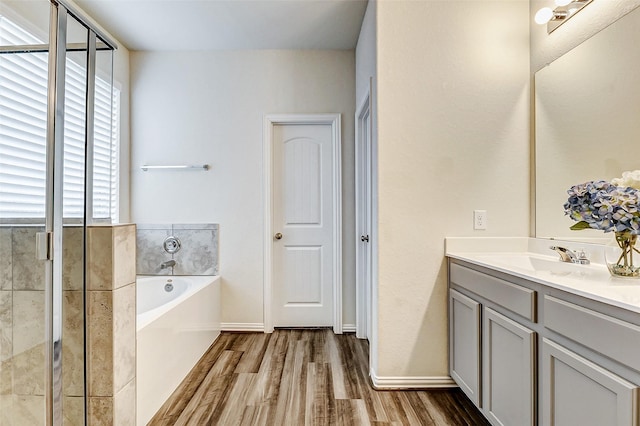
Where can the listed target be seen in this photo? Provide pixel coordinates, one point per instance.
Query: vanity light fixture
(564, 10)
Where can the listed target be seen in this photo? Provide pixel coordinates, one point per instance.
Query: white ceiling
(229, 24)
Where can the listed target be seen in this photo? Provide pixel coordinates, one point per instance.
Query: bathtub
(175, 328)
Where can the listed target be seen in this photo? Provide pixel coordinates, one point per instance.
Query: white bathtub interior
(175, 328)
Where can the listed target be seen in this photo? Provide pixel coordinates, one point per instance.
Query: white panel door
(302, 223)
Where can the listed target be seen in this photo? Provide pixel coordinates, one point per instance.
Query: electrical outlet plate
(479, 219)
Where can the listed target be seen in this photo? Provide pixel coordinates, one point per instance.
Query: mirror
(587, 122)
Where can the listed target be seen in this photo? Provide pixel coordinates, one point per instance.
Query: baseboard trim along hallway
(259, 327)
(242, 326)
(427, 382)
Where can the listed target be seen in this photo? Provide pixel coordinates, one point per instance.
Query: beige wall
(208, 107)
(453, 136)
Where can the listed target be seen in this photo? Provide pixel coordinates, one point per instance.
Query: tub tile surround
(150, 252)
(111, 324)
(590, 281)
(197, 256)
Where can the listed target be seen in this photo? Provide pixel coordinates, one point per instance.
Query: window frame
(109, 209)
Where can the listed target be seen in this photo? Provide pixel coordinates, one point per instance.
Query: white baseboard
(256, 327)
(411, 382)
(259, 327)
(348, 328)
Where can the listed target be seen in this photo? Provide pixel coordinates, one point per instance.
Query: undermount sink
(542, 264)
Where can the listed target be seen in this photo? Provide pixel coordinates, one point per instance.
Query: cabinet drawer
(594, 330)
(515, 298)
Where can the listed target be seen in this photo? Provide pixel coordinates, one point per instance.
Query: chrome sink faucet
(168, 264)
(567, 255)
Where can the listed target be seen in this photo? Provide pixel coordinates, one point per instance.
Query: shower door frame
(60, 10)
(49, 243)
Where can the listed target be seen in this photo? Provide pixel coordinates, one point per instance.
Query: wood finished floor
(301, 377)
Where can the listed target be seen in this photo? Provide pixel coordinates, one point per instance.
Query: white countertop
(531, 259)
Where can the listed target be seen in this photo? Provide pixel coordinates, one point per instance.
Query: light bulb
(543, 16)
(572, 10)
(563, 2)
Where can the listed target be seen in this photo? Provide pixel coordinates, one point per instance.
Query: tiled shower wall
(197, 256)
(111, 326)
(22, 345)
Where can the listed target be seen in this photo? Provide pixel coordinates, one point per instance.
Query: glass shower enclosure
(55, 72)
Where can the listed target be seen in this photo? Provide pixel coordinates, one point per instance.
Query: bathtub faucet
(168, 264)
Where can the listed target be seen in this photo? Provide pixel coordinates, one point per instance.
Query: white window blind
(23, 121)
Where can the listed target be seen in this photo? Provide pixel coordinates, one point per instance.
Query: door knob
(278, 236)
(364, 238)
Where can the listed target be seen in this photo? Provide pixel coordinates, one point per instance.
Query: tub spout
(168, 264)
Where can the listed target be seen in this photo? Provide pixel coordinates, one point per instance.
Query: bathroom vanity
(533, 340)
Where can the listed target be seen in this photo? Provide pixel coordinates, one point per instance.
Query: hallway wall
(453, 136)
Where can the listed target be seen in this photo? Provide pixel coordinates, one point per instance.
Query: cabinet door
(578, 392)
(509, 372)
(464, 344)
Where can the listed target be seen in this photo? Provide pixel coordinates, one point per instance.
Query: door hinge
(44, 245)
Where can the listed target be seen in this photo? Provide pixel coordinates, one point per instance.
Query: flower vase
(623, 257)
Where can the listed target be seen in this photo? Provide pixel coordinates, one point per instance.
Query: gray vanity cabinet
(464, 337)
(491, 356)
(578, 392)
(508, 367)
(527, 354)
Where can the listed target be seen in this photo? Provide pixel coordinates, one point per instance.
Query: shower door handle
(44, 245)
